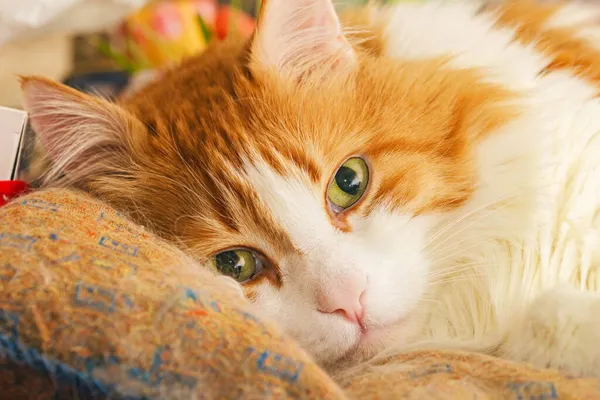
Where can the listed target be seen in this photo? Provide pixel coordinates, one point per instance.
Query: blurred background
(101, 44)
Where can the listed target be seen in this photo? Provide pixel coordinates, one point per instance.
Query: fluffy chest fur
(532, 223)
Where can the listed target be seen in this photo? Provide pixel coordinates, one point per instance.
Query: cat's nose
(345, 299)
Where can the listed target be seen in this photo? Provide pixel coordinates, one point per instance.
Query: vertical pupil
(347, 180)
(229, 263)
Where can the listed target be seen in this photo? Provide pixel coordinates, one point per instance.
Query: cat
(419, 175)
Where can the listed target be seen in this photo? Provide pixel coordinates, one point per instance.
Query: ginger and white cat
(430, 178)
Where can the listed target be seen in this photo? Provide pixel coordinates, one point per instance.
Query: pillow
(435, 374)
(93, 306)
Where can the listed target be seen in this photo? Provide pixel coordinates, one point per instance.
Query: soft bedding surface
(93, 306)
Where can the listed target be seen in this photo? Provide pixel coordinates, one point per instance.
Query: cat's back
(516, 39)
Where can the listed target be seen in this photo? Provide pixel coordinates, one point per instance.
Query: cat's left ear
(299, 37)
(83, 135)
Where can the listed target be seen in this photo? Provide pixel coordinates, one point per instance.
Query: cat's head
(307, 168)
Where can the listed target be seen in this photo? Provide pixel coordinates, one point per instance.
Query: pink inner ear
(297, 37)
(322, 17)
(52, 112)
(74, 128)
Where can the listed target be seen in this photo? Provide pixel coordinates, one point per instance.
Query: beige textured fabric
(83, 287)
(92, 306)
(452, 375)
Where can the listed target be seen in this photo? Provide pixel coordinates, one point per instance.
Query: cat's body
(475, 160)
(531, 229)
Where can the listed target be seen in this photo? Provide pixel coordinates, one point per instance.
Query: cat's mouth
(373, 338)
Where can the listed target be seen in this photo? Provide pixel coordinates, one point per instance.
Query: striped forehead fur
(194, 127)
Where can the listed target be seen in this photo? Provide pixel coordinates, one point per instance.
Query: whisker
(453, 223)
(465, 216)
(449, 256)
(455, 270)
(452, 280)
(432, 254)
(468, 226)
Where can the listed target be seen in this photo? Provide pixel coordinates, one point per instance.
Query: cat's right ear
(300, 37)
(78, 131)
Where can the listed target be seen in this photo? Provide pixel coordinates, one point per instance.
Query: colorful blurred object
(163, 32)
(166, 31)
(227, 17)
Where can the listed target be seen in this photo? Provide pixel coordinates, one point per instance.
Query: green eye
(240, 264)
(348, 184)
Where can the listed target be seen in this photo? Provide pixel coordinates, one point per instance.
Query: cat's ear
(77, 130)
(298, 37)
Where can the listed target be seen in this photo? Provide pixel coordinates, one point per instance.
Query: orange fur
(178, 170)
(565, 49)
(421, 154)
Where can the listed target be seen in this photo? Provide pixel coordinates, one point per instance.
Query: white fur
(532, 226)
(329, 259)
(581, 15)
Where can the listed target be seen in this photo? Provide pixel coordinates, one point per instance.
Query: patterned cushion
(94, 307)
(97, 305)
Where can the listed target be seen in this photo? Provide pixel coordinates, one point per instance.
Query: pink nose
(346, 300)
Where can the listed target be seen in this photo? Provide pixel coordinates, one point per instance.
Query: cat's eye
(348, 184)
(239, 264)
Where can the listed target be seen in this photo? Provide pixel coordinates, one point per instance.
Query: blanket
(93, 306)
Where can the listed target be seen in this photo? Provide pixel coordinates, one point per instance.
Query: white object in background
(12, 125)
(26, 18)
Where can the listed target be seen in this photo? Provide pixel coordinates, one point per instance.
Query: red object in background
(11, 189)
(244, 24)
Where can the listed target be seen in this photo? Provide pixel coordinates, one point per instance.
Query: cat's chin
(369, 343)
